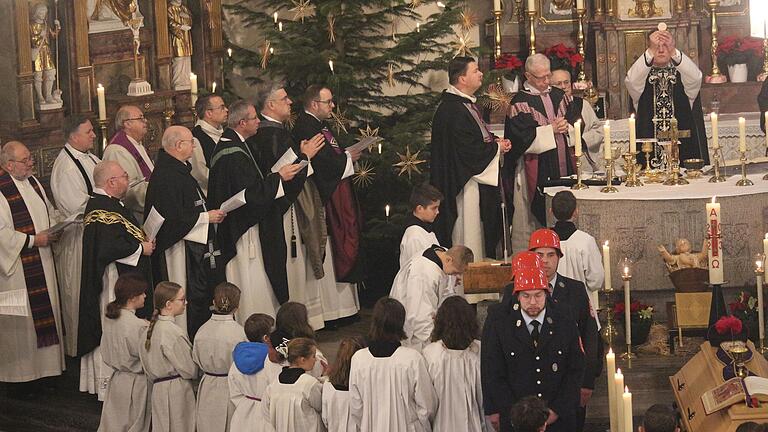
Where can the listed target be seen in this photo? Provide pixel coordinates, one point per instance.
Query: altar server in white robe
(212, 352)
(390, 389)
(419, 234)
(423, 284)
(72, 184)
(293, 402)
(166, 355)
(31, 335)
(453, 360)
(292, 322)
(335, 415)
(255, 365)
(127, 405)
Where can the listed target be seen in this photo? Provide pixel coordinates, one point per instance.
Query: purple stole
(121, 139)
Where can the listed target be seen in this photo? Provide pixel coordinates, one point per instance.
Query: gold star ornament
(364, 175)
(340, 122)
(368, 132)
(467, 19)
(301, 9)
(409, 163)
(496, 98)
(462, 45)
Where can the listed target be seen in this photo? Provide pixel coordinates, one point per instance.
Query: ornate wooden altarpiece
(91, 53)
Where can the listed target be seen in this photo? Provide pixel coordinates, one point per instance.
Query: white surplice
(336, 409)
(127, 405)
(246, 392)
(246, 270)
(339, 299)
(414, 242)
(20, 358)
(391, 394)
(638, 74)
(294, 407)
(212, 352)
(583, 261)
(71, 195)
(199, 167)
(456, 377)
(134, 198)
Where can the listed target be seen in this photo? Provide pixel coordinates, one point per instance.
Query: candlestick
(632, 135)
(744, 181)
(610, 361)
(607, 140)
(103, 142)
(626, 276)
(714, 77)
(759, 275)
(608, 188)
(718, 159)
(630, 168)
(496, 33)
(715, 249)
(532, 23)
(581, 79)
(618, 384)
(627, 409)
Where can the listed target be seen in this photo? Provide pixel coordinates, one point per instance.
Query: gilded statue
(645, 9)
(123, 9)
(43, 64)
(180, 26)
(683, 257)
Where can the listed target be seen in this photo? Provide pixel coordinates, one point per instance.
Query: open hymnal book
(735, 390)
(73, 219)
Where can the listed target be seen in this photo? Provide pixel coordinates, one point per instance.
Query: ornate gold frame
(544, 20)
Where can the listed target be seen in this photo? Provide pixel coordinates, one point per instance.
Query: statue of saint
(683, 257)
(180, 25)
(123, 9)
(43, 64)
(645, 9)
(561, 7)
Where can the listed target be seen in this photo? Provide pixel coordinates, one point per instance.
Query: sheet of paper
(303, 163)
(286, 159)
(59, 227)
(233, 203)
(135, 183)
(545, 140)
(153, 223)
(14, 302)
(364, 143)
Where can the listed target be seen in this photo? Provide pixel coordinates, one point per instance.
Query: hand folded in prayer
(504, 144)
(560, 125)
(288, 172)
(216, 216)
(311, 146)
(44, 238)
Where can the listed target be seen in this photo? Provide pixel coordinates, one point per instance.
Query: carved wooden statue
(683, 257)
(43, 62)
(180, 26)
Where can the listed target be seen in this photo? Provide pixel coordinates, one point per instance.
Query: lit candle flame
(386, 210)
(274, 16)
(229, 52)
(626, 389)
(606, 243)
(713, 199)
(330, 65)
(213, 87)
(417, 28)
(280, 26)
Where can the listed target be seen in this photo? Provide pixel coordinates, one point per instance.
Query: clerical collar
(271, 119)
(239, 136)
(412, 220)
(133, 141)
(210, 130)
(313, 116)
(564, 229)
(431, 254)
(77, 153)
(454, 91)
(534, 91)
(528, 319)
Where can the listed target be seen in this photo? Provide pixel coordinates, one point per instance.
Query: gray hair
(238, 112)
(172, 135)
(8, 152)
(536, 60)
(103, 171)
(266, 92)
(462, 254)
(122, 115)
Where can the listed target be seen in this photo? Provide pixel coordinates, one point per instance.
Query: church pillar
(24, 81)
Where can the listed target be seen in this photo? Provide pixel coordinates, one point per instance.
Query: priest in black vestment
(212, 117)
(273, 147)
(664, 83)
(234, 172)
(538, 123)
(186, 250)
(464, 164)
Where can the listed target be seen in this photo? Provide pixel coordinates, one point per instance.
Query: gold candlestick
(100, 148)
(532, 21)
(608, 188)
(630, 167)
(744, 180)
(763, 75)
(497, 35)
(579, 185)
(581, 81)
(715, 77)
(717, 177)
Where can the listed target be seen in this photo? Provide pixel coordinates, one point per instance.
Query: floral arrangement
(729, 325)
(745, 307)
(510, 64)
(733, 50)
(563, 57)
(637, 311)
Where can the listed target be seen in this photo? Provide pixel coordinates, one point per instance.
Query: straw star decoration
(415, 4)
(291, 122)
(467, 19)
(265, 52)
(301, 9)
(340, 122)
(461, 45)
(364, 175)
(496, 98)
(368, 132)
(331, 31)
(409, 162)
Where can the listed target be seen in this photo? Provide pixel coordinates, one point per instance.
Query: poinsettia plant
(745, 307)
(733, 50)
(637, 311)
(510, 64)
(563, 57)
(729, 325)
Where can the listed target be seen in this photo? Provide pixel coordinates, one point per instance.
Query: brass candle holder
(673, 167)
(764, 74)
(497, 34)
(103, 127)
(744, 180)
(715, 77)
(608, 188)
(581, 80)
(718, 177)
(579, 185)
(647, 148)
(532, 23)
(630, 168)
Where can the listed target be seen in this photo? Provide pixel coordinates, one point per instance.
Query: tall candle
(531, 5)
(627, 408)
(102, 102)
(193, 83)
(607, 142)
(632, 135)
(213, 87)
(627, 308)
(577, 144)
(618, 390)
(760, 301)
(765, 253)
(229, 52)
(715, 135)
(607, 265)
(497, 5)
(715, 252)
(610, 361)
(579, 4)
(742, 135)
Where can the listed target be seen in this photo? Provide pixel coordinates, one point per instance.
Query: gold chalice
(693, 168)
(737, 351)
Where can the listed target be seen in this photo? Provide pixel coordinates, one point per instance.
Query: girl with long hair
(292, 322)
(212, 352)
(336, 389)
(166, 355)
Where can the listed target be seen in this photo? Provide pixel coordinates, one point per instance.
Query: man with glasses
(72, 186)
(335, 260)
(186, 248)
(126, 148)
(212, 116)
(538, 123)
(113, 244)
(273, 148)
(234, 171)
(591, 128)
(31, 341)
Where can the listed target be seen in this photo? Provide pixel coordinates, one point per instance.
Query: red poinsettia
(563, 54)
(734, 49)
(509, 62)
(728, 325)
(637, 310)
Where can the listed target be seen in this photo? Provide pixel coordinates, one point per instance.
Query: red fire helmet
(525, 259)
(529, 279)
(545, 237)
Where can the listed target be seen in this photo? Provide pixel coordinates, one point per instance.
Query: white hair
(172, 135)
(536, 61)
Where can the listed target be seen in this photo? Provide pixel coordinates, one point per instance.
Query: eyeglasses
(191, 141)
(220, 107)
(124, 176)
(142, 118)
(540, 78)
(24, 161)
(329, 101)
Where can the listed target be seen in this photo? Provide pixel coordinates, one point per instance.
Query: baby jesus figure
(683, 257)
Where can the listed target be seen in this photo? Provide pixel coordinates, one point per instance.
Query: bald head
(104, 170)
(16, 159)
(177, 142)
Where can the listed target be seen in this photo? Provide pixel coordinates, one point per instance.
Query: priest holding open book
(538, 123)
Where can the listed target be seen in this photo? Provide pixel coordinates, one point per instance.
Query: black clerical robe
(526, 113)
(460, 150)
(342, 212)
(175, 194)
(110, 233)
(233, 169)
(268, 145)
(762, 102)
(206, 142)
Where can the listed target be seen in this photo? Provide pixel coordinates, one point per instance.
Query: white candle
(618, 386)
(102, 102)
(627, 409)
(579, 4)
(497, 5)
(386, 210)
(531, 5)
(193, 83)
(577, 144)
(607, 265)
(280, 26)
(627, 307)
(765, 253)
(607, 142)
(715, 135)
(610, 361)
(330, 65)
(271, 50)
(274, 17)
(418, 28)
(742, 135)
(213, 87)
(766, 122)
(379, 148)
(632, 135)
(760, 301)
(715, 252)
(229, 52)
